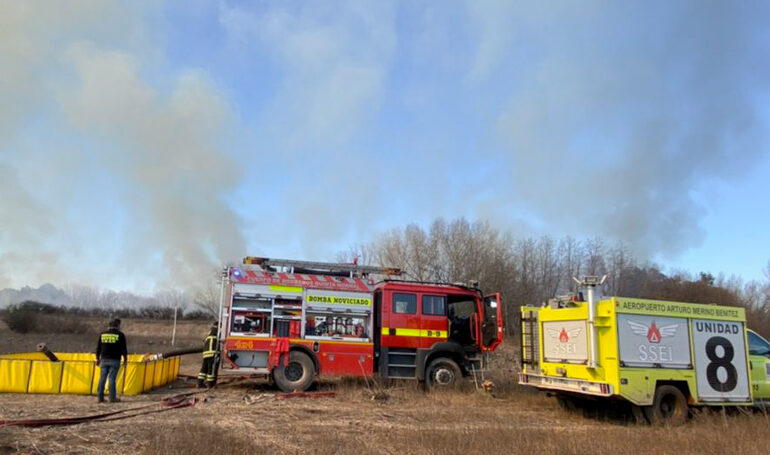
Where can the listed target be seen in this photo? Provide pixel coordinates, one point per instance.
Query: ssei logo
(654, 351)
(653, 333)
(564, 335)
(566, 345)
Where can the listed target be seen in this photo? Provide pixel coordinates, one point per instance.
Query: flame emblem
(564, 335)
(653, 333)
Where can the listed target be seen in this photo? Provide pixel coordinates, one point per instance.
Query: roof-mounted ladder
(321, 267)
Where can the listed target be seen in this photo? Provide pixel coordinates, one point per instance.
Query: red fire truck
(295, 320)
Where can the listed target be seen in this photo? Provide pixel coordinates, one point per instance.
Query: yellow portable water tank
(77, 373)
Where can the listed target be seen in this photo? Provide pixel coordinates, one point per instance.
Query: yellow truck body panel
(642, 344)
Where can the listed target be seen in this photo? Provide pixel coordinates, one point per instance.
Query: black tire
(297, 375)
(442, 373)
(638, 413)
(668, 408)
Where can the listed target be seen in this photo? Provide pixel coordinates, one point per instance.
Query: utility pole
(173, 331)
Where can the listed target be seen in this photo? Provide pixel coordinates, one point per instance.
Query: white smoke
(129, 191)
(117, 169)
(621, 112)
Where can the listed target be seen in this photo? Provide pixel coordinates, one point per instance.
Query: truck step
(401, 372)
(401, 359)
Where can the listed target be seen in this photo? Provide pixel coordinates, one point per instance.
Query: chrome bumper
(600, 389)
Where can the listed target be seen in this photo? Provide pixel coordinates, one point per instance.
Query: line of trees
(528, 271)
(192, 304)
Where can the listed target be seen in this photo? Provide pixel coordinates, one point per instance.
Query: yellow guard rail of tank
(77, 373)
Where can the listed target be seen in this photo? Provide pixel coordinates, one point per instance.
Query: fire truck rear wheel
(668, 408)
(297, 375)
(442, 373)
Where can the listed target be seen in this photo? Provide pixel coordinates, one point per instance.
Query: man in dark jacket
(207, 375)
(109, 350)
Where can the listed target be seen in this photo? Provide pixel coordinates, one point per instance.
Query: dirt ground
(144, 336)
(364, 417)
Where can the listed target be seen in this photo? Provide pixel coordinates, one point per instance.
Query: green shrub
(20, 320)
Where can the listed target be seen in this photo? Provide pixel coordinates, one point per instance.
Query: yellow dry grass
(372, 417)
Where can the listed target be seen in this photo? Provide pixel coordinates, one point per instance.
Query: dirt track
(245, 419)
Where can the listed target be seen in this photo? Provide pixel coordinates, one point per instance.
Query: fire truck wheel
(442, 373)
(668, 408)
(297, 375)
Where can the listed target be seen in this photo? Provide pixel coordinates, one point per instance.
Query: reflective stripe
(110, 338)
(210, 341)
(285, 288)
(399, 332)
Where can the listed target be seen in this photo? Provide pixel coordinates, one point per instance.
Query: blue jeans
(109, 367)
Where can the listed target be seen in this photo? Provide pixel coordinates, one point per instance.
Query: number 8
(725, 362)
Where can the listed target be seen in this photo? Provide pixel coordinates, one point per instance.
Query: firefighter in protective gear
(207, 376)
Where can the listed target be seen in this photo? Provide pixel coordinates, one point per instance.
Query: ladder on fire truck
(530, 345)
(321, 268)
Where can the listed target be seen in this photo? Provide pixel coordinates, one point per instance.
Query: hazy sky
(143, 142)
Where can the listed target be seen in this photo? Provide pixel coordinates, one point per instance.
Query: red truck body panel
(342, 323)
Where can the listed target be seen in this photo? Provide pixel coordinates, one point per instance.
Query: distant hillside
(46, 293)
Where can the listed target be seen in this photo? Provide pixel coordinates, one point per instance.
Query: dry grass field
(395, 418)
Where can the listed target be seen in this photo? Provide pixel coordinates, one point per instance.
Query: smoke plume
(133, 196)
(622, 112)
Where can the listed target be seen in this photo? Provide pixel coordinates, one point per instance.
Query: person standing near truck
(110, 348)
(207, 375)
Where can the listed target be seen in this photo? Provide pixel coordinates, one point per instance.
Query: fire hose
(174, 352)
(42, 347)
(183, 400)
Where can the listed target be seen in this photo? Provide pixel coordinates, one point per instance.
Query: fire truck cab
(295, 320)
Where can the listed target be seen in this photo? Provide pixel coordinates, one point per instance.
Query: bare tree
(206, 296)
(595, 257)
(530, 270)
(619, 260)
(364, 253)
(84, 296)
(571, 257)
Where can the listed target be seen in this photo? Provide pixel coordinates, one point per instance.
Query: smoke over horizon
(144, 145)
(618, 122)
(136, 191)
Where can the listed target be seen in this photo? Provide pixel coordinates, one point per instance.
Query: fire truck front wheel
(296, 375)
(668, 408)
(442, 373)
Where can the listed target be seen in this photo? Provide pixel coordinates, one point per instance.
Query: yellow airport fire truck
(660, 356)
